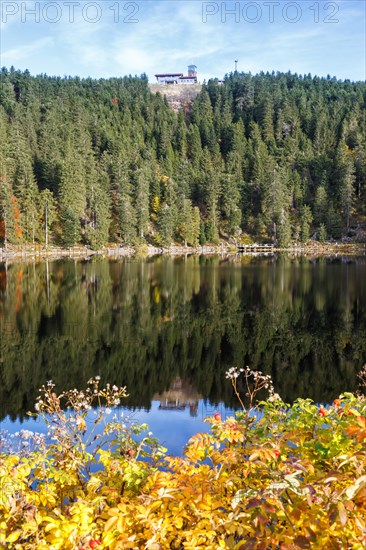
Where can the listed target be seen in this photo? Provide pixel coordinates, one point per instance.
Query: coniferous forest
(272, 157)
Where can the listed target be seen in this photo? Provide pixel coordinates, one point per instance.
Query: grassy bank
(274, 476)
(24, 252)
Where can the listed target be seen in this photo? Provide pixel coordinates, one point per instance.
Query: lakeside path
(39, 253)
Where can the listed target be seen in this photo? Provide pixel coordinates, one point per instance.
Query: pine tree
(70, 226)
(231, 196)
(141, 200)
(320, 205)
(47, 215)
(185, 222)
(322, 233)
(202, 116)
(334, 222)
(181, 136)
(194, 145)
(275, 207)
(19, 167)
(346, 180)
(10, 231)
(189, 223)
(122, 208)
(97, 231)
(72, 195)
(306, 221)
(211, 190)
(202, 235)
(266, 116)
(283, 231)
(196, 227)
(167, 217)
(166, 224)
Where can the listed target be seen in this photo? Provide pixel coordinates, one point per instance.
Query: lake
(169, 328)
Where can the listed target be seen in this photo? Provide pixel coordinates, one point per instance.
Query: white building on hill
(178, 78)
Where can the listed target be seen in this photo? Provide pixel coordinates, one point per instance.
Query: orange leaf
(361, 421)
(342, 513)
(361, 435)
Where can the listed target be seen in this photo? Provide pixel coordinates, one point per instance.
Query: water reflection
(152, 324)
(180, 395)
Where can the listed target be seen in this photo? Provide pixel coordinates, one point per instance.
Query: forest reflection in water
(169, 328)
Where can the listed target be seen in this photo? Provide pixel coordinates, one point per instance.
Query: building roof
(189, 77)
(169, 74)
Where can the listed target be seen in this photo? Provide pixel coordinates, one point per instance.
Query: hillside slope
(271, 157)
(179, 96)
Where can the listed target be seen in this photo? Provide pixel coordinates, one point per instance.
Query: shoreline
(38, 252)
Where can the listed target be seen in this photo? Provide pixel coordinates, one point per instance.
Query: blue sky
(105, 38)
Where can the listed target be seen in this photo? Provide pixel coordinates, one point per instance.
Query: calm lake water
(169, 329)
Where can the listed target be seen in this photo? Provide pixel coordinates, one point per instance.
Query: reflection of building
(180, 395)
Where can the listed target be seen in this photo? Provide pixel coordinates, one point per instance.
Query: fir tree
(70, 226)
(306, 221)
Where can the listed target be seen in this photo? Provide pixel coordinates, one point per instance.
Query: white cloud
(26, 51)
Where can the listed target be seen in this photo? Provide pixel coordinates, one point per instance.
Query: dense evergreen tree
(98, 227)
(47, 214)
(141, 203)
(306, 219)
(320, 205)
(70, 226)
(9, 214)
(276, 156)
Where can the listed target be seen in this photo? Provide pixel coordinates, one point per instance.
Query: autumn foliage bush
(274, 476)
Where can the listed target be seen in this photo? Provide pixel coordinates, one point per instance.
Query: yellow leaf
(94, 483)
(254, 455)
(13, 536)
(155, 505)
(50, 527)
(111, 523)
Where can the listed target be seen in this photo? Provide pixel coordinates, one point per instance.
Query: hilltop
(179, 96)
